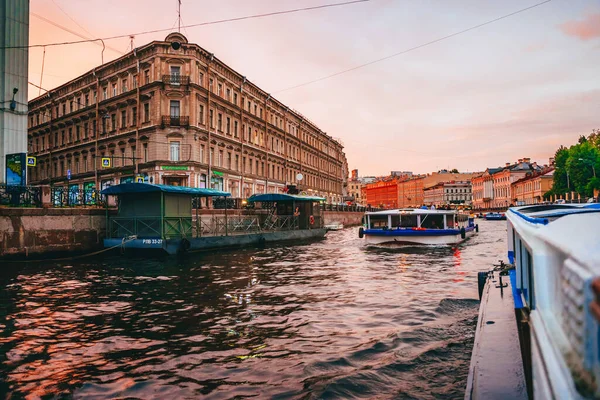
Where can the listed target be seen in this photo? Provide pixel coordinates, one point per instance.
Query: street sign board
(139, 179)
(68, 174)
(31, 161)
(105, 162)
(16, 170)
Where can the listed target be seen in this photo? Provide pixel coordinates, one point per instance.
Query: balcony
(169, 120)
(176, 80)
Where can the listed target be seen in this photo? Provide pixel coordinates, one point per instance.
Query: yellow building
(531, 189)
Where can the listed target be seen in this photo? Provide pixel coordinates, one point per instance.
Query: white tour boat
(417, 226)
(556, 253)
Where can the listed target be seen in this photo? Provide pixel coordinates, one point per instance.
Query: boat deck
(496, 370)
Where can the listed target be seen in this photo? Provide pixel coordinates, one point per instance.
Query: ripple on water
(327, 319)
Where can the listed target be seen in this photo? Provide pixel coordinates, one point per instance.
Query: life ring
(311, 220)
(361, 232)
(463, 233)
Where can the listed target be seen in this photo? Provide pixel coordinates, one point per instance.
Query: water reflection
(316, 320)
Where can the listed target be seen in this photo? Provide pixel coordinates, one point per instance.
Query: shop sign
(174, 167)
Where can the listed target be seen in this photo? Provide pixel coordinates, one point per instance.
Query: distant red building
(382, 193)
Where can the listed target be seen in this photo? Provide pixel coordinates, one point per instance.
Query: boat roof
(128, 188)
(284, 198)
(542, 214)
(411, 211)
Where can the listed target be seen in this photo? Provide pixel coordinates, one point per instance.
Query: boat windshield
(432, 221)
(404, 221)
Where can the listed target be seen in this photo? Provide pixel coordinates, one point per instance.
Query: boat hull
(175, 246)
(419, 237)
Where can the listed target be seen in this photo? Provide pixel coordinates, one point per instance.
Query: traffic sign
(139, 179)
(105, 162)
(68, 174)
(31, 161)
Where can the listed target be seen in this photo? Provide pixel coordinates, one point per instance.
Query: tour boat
(494, 216)
(416, 226)
(334, 227)
(551, 350)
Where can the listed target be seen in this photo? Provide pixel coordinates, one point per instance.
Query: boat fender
(463, 233)
(477, 228)
(481, 278)
(361, 232)
(262, 242)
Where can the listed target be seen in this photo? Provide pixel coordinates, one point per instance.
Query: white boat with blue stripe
(417, 226)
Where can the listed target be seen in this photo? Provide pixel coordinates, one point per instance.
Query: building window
(70, 135)
(229, 160)
(87, 100)
(200, 78)
(235, 128)
(146, 112)
(228, 126)
(201, 115)
(174, 151)
(220, 158)
(113, 122)
(71, 106)
(175, 75)
(124, 85)
(237, 162)
(114, 89)
(202, 160)
(235, 98)
(228, 94)
(211, 155)
(145, 152)
(146, 77)
(77, 133)
(123, 119)
(64, 108)
(85, 130)
(175, 108)
(220, 122)
(220, 90)
(211, 85)
(211, 117)
(104, 93)
(134, 116)
(135, 81)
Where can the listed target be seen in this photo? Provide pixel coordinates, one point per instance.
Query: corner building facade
(171, 113)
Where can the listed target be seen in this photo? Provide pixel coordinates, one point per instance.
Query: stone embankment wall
(40, 231)
(346, 218)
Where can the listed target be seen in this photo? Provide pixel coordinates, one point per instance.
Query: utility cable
(221, 21)
(413, 48)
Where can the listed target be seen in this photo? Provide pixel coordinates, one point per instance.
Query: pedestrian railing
(20, 196)
(151, 227)
(280, 223)
(75, 197)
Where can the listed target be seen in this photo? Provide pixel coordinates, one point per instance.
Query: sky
(519, 87)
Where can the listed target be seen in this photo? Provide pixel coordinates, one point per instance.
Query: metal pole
(225, 198)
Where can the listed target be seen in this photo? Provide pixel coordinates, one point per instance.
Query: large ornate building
(172, 113)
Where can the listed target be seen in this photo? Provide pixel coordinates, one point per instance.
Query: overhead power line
(221, 21)
(412, 48)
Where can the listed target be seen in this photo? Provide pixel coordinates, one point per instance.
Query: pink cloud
(586, 29)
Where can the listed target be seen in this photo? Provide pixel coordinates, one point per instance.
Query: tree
(560, 180)
(454, 171)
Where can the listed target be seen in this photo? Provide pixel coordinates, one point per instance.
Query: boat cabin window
(404, 221)
(431, 221)
(378, 221)
(450, 223)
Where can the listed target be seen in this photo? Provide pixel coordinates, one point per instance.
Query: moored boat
(161, 217)
(494, 216)
(555, 250)
(417, 226)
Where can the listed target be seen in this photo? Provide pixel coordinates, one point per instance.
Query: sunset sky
(519, 87)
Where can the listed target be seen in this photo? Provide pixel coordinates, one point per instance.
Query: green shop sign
(174, 168)
(217, 173)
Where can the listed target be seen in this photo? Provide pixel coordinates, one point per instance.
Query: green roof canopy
(126, 188)
(284, 197)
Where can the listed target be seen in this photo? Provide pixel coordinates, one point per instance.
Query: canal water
(317, 320)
